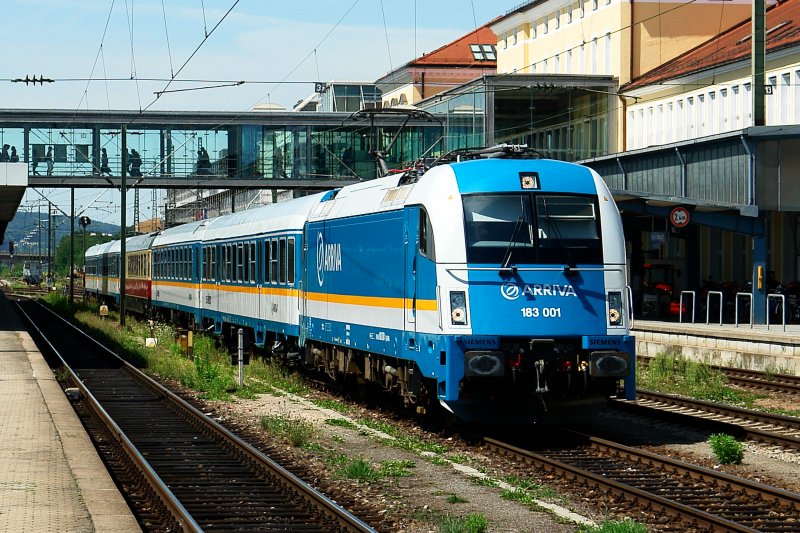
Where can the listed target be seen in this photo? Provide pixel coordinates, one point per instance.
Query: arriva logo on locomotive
(329, 258)
(512, 291)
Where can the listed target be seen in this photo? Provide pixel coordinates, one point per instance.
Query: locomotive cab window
(426, 243)
(532, 228)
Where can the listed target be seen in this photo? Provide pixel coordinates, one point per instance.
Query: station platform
(775, 348)
(51, 478)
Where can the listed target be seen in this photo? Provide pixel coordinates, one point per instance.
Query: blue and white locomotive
(494, 286)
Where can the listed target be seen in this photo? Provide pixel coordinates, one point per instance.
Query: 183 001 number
(544, 312)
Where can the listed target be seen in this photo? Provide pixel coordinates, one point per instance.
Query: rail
(172, 423)
(698, 497)
(774, 429)
(158, 485)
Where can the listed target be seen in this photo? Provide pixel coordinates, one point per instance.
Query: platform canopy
(13, 181)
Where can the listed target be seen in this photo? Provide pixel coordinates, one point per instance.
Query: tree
(61, 265)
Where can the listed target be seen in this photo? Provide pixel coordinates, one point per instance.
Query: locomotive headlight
(458, 308)
(615, 308)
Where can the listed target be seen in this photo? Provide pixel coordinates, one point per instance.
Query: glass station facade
(564, 117)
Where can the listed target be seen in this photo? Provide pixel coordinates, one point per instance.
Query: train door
(105, 272)
(302, 286)
(196, 260)
(263, 280)
(216, 277)
(410, 270)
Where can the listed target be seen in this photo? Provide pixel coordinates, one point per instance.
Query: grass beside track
(208, 370)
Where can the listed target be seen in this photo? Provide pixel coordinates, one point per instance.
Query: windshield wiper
(512, 243)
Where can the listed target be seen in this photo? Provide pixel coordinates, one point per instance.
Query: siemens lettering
(329, 258)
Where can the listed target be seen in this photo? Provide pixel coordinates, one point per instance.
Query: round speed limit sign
(679, 217)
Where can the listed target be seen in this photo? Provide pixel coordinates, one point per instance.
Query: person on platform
(34, 161)
(104, 168)
(48, 158)
(136, 163)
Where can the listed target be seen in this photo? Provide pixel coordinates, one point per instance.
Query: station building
(656, 96)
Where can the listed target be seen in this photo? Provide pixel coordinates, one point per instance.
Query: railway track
(752, 379)
(762, 381)
(755, 425)
(179, 470)
(686, 497)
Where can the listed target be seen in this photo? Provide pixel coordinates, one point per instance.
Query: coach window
(273, 263)
(236, 259)
(266, 262)
(246, 262)
(426, 244)
(283, 259)
(239, 263)
(231, 262)
(252, 262)
(290, 259)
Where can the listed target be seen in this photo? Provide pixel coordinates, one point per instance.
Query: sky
(279, 49)
(117, 54)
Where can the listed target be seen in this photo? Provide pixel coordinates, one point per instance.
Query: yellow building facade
(618, 38)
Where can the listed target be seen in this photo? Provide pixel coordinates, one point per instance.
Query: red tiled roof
(782, 23)
(458, 53)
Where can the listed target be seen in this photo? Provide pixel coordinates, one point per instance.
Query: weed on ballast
(471, 523)
(726, 449)
(455, 498)
(616, 526)
(297, 431)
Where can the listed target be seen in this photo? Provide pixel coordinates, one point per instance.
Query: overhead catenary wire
(129, 14)
(166, 33)
(174, 78)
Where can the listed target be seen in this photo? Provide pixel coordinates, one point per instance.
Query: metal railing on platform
(750, 304)
(680, 304)
(708, 306)
(782, 298)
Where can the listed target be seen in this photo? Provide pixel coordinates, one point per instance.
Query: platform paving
(51, 478)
